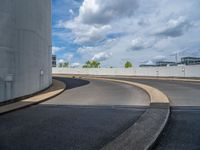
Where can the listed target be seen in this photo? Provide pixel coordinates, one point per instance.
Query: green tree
(92, 64)
(95, 64)
(66, 64)
(60, 65)
(128, 64)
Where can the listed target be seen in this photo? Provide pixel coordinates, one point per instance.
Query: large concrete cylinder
(25, 47)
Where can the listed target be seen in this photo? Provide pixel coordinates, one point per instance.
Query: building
(146, 65)
(54, 63)
(165, 63)
(190, 60)
(25, 47)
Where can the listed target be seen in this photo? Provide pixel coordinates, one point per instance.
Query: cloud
(85, 34)
(149, 62)
(75, 65)
(102, 12)
(85, 50)
(132, 29)
(68, 56)
(61, 60)
(102, 56)
(139, 44)
(57, 49)
(174, 28)
(71, 12)
(159, 58)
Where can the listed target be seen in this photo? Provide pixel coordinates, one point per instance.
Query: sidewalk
(55, 89)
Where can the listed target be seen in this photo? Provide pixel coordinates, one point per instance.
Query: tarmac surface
(78, 119)
(182, 131)
(86, 116)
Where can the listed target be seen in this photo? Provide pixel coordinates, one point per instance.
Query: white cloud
(149, 62)
(85, 50)
(85, 34)
(174, 27)
(71, 11)
(75, 65)
(102, 12)
(156, 28)
(102, 56)
(139, 43)
(61, 61)
(57, 49)
(68, 57)
(159, 58)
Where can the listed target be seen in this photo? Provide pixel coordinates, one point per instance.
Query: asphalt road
(104, 93)
(183, 129)
(86, 116)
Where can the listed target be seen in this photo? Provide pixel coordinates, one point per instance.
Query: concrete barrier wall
(25, 47)
(172, 71)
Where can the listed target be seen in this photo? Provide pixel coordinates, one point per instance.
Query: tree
(128, 64)
(60, 65)
(65, 64)
(95, 64)
(92, 64)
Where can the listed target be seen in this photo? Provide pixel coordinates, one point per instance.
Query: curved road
(183, 129)
(86, 116)
(104, 93)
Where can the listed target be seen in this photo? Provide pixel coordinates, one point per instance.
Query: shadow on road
(72, 82)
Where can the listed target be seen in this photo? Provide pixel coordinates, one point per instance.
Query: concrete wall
(173, 71)
(25, 47)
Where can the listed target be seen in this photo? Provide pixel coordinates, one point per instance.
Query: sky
(116, 31)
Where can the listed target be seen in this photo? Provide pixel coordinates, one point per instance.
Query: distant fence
(171, 71)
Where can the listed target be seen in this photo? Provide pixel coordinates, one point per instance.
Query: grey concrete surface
(25, 47)
(57, 125)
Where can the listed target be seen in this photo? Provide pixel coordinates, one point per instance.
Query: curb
(165, 79)
(148, 127)
(57, 88)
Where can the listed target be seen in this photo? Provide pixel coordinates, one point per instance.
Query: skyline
(113, 32)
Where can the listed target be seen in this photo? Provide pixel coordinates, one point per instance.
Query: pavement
(144, 133)
(180, 93)
(102, 93)
(182, 131)
(61, 123)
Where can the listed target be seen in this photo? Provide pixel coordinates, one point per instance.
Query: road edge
(54, 90)
(148, 127)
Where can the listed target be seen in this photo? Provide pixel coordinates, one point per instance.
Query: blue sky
(115, 31)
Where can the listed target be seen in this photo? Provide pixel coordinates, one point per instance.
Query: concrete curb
(166, 78)
(143, 134)
(57, 88)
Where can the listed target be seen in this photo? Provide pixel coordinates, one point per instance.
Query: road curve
(105, 93)
(180, 93)
(86, 116)
(182, 131)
